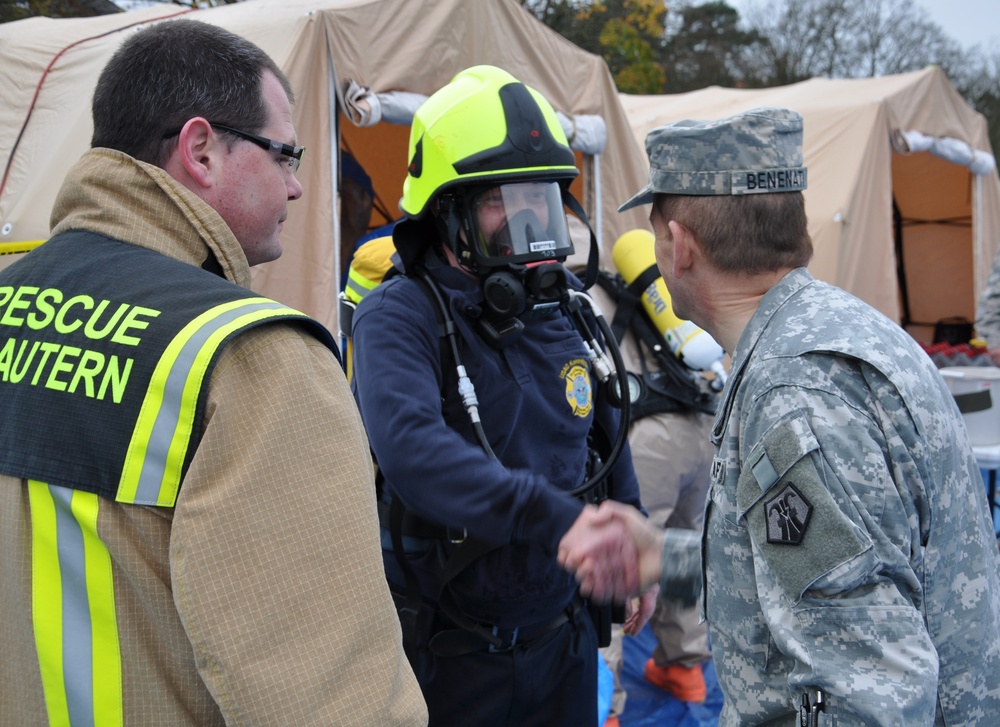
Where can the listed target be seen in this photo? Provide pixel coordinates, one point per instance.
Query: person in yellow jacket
(188, 527)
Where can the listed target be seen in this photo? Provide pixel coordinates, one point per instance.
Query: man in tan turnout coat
(188, 532)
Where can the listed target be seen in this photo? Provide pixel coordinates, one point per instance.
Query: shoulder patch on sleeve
(787, 515)
(785, 504)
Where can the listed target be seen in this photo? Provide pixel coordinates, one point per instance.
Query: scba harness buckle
(504, 645)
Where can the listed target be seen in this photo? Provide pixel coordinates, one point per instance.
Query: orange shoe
(685, 683)
(612, 721)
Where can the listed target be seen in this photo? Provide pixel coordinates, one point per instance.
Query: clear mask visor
(519, 223)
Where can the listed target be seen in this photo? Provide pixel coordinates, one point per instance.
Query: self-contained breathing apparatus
(519, 264)
(514, 292)
(488, 180)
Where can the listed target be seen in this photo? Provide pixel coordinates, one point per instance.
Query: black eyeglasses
(289, 155)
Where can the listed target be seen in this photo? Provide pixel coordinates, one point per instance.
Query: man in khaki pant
(672, 456)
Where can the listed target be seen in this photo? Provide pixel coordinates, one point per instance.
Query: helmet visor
(522, 222)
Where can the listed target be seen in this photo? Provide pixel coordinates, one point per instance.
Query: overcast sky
(968, 22)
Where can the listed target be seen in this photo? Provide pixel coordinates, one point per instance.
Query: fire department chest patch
(576, 374)
(788, 515)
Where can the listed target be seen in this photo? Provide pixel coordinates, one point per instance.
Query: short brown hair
(753, 233)
(173, 71)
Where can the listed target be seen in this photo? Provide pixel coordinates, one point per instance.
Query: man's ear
(198, 152)
(685, 248)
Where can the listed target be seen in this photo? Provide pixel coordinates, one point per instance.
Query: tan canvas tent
(903, 198)
(372, 58)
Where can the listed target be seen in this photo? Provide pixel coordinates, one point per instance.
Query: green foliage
(709, 49)
(631, 59)
(20, 9)
(628, 34)
(698, 44)
(12, 10)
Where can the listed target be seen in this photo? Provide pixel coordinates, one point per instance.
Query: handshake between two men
(617, 555)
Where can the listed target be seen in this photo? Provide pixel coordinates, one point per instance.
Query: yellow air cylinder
(633, 255)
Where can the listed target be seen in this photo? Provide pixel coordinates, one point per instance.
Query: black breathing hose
(616, 379)
(572, 307)
(465, 387)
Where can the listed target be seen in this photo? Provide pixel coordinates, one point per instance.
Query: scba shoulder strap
(671, 388)
(416, 614)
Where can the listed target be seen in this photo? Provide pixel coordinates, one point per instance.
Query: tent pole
(977, 236)
(904, 295)
(598, 215)
(334, 173)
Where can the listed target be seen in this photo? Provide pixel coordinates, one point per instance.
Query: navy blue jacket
(537, 398)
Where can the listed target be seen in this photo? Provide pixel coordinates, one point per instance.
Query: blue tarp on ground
(649, 706)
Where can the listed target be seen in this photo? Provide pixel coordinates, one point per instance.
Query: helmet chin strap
(593, 258)
(449, 224)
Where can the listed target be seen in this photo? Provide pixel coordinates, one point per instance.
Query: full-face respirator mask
(514, 238)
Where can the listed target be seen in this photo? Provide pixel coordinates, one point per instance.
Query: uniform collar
(111, 193)
(769, 305)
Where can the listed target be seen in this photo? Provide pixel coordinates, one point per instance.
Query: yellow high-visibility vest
(106, 350)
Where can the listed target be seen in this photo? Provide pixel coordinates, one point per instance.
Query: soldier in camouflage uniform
(988, 312)
(848, 551)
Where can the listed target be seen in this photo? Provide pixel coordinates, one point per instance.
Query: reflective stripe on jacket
(107, 381)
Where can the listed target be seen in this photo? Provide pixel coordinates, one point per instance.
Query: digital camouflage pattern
(848, 546)
(988, 313)
(758, 151)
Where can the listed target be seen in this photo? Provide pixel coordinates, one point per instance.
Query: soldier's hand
(601, 552)
(638, 611)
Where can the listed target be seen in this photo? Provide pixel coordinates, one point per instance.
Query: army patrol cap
(754, 152)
